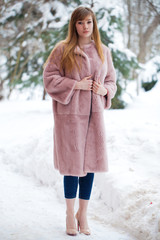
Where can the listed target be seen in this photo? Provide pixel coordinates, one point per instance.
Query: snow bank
(131, 194)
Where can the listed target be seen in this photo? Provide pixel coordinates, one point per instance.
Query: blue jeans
(85, 186)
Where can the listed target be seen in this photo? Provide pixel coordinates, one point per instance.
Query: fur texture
(79, 131)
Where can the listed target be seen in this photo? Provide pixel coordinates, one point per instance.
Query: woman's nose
(85, 26)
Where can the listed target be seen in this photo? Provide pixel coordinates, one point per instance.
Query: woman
(80, 77)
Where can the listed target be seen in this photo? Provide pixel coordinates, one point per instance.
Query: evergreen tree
(21, 27)
(122, 62)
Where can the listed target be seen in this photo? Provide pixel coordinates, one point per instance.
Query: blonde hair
(68, 60)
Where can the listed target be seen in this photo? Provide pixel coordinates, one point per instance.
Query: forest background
(30, 29)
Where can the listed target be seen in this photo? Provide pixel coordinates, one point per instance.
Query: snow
(25, 76)
(33, 212)
(49, 18)
(150, 69)
(3, 60)
(3, 67)
(11, 12)
(20, 35)
(125, 201)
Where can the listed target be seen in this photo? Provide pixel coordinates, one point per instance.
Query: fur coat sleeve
(58, 86)
(110, 81)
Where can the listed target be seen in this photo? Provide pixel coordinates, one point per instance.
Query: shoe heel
(78, 225)
(84, 231)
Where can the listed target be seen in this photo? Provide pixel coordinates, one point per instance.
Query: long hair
(68, 60)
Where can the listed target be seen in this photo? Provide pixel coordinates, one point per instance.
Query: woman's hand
(98, 88)
(85, 84)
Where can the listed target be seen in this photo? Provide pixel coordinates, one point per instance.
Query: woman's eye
(82, 22)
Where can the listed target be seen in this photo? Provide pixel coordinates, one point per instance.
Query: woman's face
(85, 27)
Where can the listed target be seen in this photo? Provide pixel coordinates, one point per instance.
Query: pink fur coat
(79, 130)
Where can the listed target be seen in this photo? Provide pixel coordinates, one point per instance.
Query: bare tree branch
(151, 28)
(141, 14)
(154, 8)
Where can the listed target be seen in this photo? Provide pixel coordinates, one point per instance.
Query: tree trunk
(44, 94)
(129, 24)
(144, 37)
(1, 89)
(92, 4)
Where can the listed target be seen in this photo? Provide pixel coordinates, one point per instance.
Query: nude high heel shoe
(70, 230)
(70, 219)
(83, 230)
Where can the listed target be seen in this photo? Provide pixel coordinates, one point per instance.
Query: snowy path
(27, 210)
(30, 211)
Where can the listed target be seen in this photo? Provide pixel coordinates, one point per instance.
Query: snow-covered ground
(125, 203)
